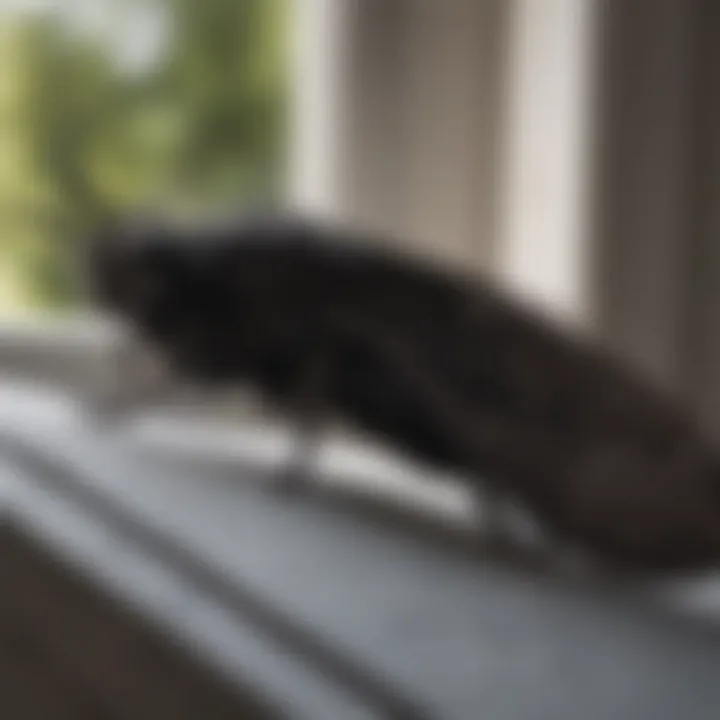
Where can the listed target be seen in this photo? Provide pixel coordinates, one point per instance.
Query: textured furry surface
(441, 365)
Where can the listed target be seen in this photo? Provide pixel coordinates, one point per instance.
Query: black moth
(439, 364)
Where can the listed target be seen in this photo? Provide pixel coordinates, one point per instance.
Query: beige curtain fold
(656, 264)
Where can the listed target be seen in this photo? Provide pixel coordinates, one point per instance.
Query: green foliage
(82, 136)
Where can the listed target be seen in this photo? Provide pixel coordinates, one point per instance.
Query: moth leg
(492, 519)
(104, 401)
(308, 421)
(131, 378)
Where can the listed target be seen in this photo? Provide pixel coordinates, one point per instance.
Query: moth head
(135, 269)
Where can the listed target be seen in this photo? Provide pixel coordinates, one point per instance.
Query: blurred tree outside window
(113, 104)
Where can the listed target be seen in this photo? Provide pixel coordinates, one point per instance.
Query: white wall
(543, 249)
(318, 32)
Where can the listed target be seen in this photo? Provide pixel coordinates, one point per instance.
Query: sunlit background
(108, 105)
